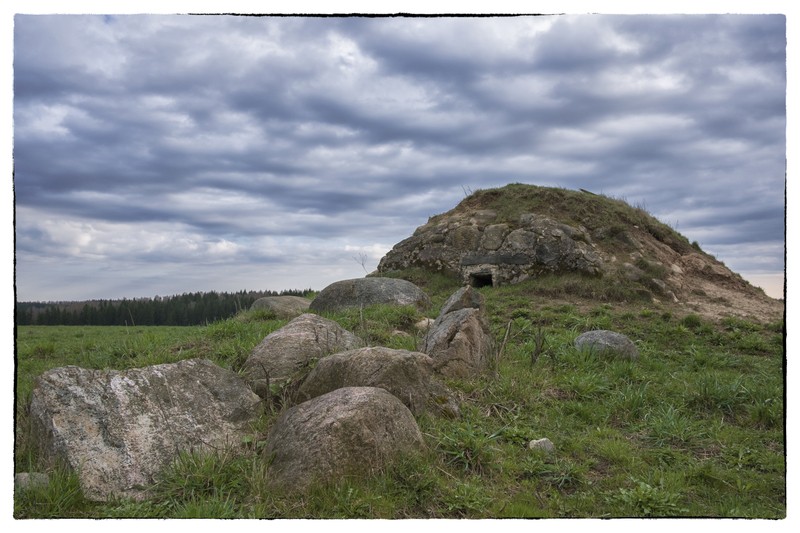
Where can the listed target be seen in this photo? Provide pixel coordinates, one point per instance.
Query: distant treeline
(180, 310)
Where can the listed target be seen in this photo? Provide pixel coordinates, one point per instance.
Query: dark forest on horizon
(186, 309)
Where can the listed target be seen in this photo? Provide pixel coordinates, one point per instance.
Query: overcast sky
(158, 154)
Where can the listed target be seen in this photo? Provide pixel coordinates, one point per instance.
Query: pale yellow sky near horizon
(771, 283)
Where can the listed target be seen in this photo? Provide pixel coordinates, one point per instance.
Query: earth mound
(520, 232)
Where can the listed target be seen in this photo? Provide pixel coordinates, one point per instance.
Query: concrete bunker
(492, 269)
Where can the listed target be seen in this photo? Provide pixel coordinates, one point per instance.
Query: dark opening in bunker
(481, 279)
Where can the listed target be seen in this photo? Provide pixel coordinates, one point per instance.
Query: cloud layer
(161, 154)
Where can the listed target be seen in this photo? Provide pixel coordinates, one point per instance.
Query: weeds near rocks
(197, 475)
(468, 448)
(538, 346)
(377, 325)
(643, 499)
(695, 427)
(60, 498)
(523, 336)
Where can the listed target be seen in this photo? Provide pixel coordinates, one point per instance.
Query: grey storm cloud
(272, 150)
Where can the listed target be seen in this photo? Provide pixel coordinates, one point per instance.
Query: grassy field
(694, 428)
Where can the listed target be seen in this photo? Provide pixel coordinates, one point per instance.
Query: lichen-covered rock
(482, 252)
(288, 350)
(118, 429)
(283, 306)
(607, 342)
(460, 340)
(349, 431)
(464, 298)
(407, 375)
(362, 292)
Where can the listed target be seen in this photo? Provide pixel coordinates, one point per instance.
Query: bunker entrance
(481, 279)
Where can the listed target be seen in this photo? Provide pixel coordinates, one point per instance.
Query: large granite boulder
(283, 306)
(608, 343)
(349, 431)
(369, 291)
(460, 340)
(288, 350)
(118, 429)
(407, 375)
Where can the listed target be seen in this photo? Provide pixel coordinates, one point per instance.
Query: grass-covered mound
(603, 216)
(640, 258)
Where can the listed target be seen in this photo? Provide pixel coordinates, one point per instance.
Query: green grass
(694, 428)
(607, 218)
